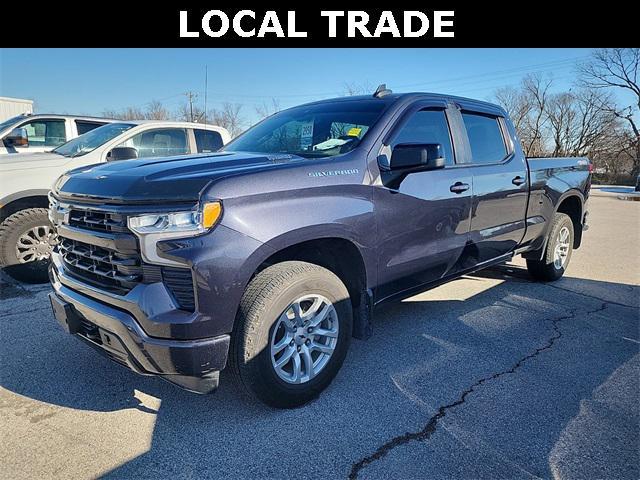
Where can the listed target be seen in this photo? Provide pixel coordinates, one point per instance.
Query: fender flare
(569, 193)
(4, 201)
(298, 236)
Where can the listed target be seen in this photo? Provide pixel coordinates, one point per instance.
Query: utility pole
(191, 97)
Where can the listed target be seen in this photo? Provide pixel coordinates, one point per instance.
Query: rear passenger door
(500, 189)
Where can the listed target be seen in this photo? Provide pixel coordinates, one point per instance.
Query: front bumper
(190, 364)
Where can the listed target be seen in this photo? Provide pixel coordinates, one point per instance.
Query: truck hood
(19, 161)
(179, 179)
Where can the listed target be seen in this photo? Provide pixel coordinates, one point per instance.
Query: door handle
(459, 187)
(518, 180)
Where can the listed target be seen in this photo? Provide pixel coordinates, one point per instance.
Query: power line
(524, 68)
(453, 83)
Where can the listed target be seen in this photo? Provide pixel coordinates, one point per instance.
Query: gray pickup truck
(267, 257)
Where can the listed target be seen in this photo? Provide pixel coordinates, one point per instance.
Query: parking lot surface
(490, 376)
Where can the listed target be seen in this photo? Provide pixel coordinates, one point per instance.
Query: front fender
(224, 260)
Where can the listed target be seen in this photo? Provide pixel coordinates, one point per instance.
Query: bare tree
(229, 117)
(527, 107)
(189, 112)
(578, 124)
(617, 68)
(352, 88)
(574, 123)
(266, 109)
(157, 111)
(154, 111)
(537, 90)
(129, 113)
(515, 101)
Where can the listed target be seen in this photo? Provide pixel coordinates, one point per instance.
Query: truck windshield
(11, 121)
(321, 130)
(91, 140)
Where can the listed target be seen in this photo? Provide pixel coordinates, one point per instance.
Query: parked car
(268, 256)
(30, 133)
(26, 237)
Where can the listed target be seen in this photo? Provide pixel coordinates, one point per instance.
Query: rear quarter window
(485, 138)
(83, 126)
(208, 141)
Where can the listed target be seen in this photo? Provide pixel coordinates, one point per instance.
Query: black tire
(545, 269)
(267, 296)
(10, 231)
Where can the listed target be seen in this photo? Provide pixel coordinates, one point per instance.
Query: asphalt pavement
(490, 376)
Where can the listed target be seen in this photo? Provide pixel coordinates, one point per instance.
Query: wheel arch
(338, 254)
(23, 200)
(572, 204)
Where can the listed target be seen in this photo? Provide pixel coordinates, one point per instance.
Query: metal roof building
(10, 107)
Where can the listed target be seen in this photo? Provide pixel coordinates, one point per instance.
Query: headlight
(155, 227)
(177, 224)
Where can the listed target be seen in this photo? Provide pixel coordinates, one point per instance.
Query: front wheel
(292, 333)
(557, 253)
(26, 241)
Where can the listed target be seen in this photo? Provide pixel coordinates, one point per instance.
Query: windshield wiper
(79, 153)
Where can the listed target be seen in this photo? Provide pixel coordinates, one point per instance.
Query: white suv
(40, 133)
(25, 235)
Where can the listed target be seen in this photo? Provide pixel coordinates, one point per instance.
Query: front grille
(112, 270)
(97, 220)
(116, 272)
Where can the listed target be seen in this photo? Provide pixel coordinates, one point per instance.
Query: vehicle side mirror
(17, 138)
(417, 157)
(122, 153)
(408, 158)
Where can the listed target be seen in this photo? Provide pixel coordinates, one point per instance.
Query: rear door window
(84, 126)
(485, 138)
(208, 141)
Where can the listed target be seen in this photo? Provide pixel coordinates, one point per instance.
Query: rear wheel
(26, 241)
(557, 253)
(292, 334)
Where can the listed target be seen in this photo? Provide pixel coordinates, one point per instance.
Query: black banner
(210, 24)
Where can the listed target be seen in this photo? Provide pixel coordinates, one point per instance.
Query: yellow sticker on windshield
(354, 132)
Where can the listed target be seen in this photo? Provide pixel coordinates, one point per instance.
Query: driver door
(424, 224)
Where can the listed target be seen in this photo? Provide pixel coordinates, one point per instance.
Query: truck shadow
(422, 355)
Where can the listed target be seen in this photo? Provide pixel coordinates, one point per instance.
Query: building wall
(10, 107)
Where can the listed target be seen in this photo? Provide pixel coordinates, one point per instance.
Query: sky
(89, 81)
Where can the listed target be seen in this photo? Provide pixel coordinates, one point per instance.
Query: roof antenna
(206, 84)
(382, 91)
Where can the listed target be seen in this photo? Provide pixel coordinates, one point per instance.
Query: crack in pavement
(432, 423)
(609, 302)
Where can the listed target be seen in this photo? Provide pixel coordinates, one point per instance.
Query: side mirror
(17, 138)
(409, 158)
(417, 157)
(122, 153)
